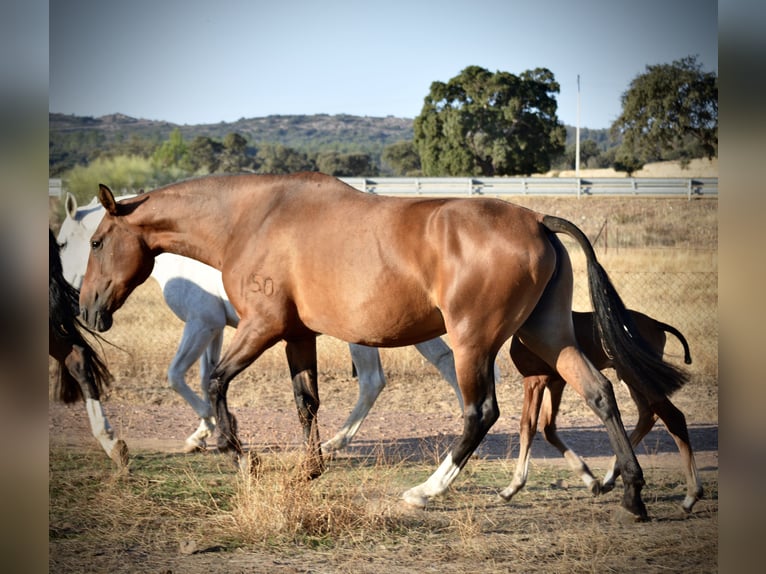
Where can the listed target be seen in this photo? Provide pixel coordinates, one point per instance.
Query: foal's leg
(555, 387)
(115, 448)
(675, 422)
(302, 358)
(371, 383)
(530, 410)
(477, 383)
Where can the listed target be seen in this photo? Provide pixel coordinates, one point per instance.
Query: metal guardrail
(689, 188)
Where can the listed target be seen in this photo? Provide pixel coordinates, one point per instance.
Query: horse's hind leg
(675, 422)
(302, 358)
(116, 449)
(194, 342)
(549, 333)
(371, 383)
(477, 383)
(534, 387)
(438, 353)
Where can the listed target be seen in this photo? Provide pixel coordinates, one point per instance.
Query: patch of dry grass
(196, 514)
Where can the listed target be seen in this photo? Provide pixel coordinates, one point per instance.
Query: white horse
(194, 292)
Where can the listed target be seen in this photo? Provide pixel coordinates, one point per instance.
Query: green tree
(173, 152)
(276, 158)
(402, 158)
(205, 154)
(346, 164)
(669, 112)
(480, 123)
(234, 158)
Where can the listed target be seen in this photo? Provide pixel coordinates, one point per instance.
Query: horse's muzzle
(100, 320)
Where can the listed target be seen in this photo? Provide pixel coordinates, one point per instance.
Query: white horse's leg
(438, 353)
(194, 342)
(209, 359)
(99, 425)
(371, 383)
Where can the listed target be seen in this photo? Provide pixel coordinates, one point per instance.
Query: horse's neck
(184, 233)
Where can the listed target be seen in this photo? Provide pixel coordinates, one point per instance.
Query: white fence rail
(689, 188)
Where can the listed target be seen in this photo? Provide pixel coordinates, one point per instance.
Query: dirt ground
(164, 428)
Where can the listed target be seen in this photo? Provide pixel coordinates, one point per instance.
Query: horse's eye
(62, 245)
(95, 244)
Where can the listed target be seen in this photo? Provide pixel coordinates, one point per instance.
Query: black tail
(619, 335)
(673, 331)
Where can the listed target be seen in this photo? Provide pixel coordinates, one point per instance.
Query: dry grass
(190, 514)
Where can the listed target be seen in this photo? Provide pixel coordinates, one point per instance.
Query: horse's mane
(63, 310)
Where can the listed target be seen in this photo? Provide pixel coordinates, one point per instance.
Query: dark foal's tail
(619, 335)
(673, 331)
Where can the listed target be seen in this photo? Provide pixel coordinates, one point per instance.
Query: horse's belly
(380, 323)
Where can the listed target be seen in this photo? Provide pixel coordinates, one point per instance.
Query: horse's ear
(106, 198)
(70, 205)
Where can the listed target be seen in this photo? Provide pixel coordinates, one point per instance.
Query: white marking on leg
(197, 440)
(100, 426)
(436, 484)
(578, 465)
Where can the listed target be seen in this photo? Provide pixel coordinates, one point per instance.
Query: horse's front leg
(77, 363)
(249, 341)
(530, 411)
(302, 359)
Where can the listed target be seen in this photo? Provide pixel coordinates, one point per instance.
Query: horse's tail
(619, 335)
(673, 331)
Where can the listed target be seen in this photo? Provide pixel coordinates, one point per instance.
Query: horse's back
(371, 269)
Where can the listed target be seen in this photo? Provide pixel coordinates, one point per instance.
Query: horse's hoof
(119, 454)
(624, 516)
(606, 487)
(505, 495)
(414, 499)
(595, 488)
(332, 446)
(194, 446)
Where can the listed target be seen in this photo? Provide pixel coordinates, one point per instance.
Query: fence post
(689, 190)
(578, 188)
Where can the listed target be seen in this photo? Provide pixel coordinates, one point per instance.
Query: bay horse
(305, 254)
(82, 374)
(543, 388)
(196, 295)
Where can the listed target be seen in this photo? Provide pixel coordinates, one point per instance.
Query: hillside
(74, 139)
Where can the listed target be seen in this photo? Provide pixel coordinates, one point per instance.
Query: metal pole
(577, 137)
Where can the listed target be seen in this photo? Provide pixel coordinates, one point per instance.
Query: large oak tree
(669, 112)
(489, 124)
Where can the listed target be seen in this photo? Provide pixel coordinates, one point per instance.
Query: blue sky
(194, 61)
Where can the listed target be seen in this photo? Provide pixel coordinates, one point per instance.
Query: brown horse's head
(119, 261)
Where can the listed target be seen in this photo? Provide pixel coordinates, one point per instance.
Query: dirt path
(402, 434)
